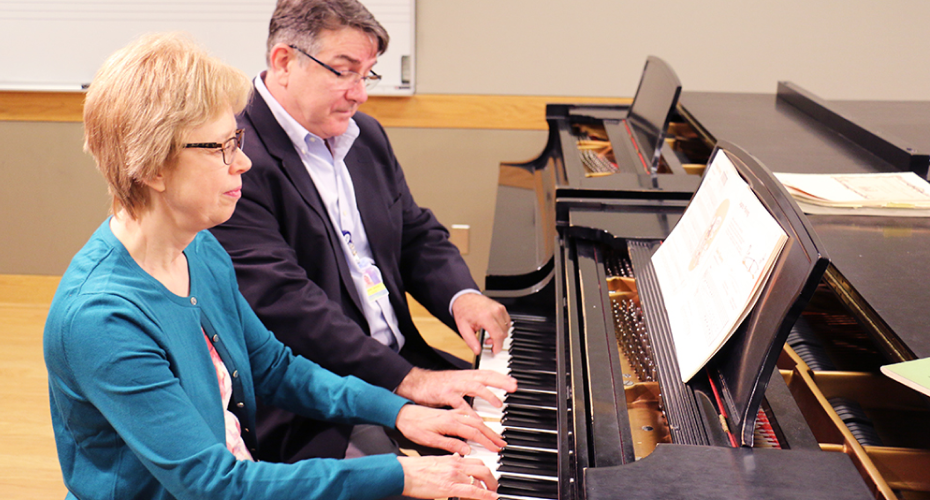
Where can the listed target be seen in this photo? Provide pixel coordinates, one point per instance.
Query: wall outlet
(458, 235)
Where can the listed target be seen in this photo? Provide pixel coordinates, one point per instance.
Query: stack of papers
(895, 194)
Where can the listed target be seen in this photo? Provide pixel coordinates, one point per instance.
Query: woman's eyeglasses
(229, 147)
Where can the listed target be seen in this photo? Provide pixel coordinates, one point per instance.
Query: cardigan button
(246, 429)
(235, 373)
(240, 404)
(193, 301)
(216, 338)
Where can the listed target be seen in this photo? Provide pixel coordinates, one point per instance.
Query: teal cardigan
(134, 396)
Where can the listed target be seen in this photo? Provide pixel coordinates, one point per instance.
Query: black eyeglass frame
(238, 138)
(370, 80)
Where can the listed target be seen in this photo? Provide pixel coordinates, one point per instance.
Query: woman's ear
(156, 183)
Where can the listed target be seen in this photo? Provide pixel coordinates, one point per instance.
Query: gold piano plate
(899, 470)
(648, 425)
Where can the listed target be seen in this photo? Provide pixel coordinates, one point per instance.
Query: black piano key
(539, 326)
(533, 384)
(531, 411)
(542, 340)
(521, 437)
(531, 399)
(541, 345)
(530, 414)
(531, 354)
(515, 406)
(518, 497)
(543, 329)
(545, 459)
(546, 465)
(535, 377)
(530, 383)
(537, 329)
(533, 469)
(532, 367)
(510, 485)
(528, 423)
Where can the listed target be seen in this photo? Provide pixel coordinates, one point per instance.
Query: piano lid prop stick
(723, 411)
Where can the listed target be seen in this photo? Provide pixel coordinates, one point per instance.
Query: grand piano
(794, 405)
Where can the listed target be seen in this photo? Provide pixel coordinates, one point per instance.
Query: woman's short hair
(301, 21)
(144, 100)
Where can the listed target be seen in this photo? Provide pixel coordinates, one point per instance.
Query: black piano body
(559, 229)
(872, 308)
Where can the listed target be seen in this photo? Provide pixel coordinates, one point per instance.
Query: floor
(28, 460)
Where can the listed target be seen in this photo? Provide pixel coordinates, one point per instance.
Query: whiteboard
(58, 45)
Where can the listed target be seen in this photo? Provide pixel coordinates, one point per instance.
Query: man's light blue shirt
(331, 177)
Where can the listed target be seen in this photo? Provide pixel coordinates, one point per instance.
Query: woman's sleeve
(110, 350)
(301, 386)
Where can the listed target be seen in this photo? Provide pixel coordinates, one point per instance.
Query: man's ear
(281, 61)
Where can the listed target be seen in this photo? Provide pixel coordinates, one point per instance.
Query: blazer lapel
(373, 207)
(279, 145)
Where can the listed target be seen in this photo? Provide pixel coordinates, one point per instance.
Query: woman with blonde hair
(156, 361)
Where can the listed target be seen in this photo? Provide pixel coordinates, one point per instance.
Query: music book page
(714, 263)
(894, 190)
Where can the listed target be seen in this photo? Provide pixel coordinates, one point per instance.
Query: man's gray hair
(301, 21)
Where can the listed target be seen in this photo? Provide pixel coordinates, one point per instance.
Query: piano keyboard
(527, 469)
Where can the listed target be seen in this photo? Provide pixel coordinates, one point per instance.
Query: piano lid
(636, 135)
(876, 256)
(524, 223)
(707, 472)
(653, 105)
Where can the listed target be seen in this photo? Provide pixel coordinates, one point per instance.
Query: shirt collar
(297, 133)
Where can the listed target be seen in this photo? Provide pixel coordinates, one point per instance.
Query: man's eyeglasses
(229, 147)
(346, 79)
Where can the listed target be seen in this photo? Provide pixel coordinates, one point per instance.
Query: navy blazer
(292, 269)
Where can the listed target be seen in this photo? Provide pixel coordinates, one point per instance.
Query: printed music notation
(714, 264)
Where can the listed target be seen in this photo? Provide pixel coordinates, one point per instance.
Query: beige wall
(52, 198)
(838, 49)
(453, 172)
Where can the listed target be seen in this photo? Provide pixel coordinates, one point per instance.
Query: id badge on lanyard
(371, 275)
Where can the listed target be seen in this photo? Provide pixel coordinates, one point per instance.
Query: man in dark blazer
(305, 264)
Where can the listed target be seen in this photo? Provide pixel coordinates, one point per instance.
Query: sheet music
(713, 265)
(899, 191)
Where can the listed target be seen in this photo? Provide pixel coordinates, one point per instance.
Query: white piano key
(488, 457)
(486, 411)
(500, 363)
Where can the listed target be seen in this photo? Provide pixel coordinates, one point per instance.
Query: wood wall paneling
(499, 112)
